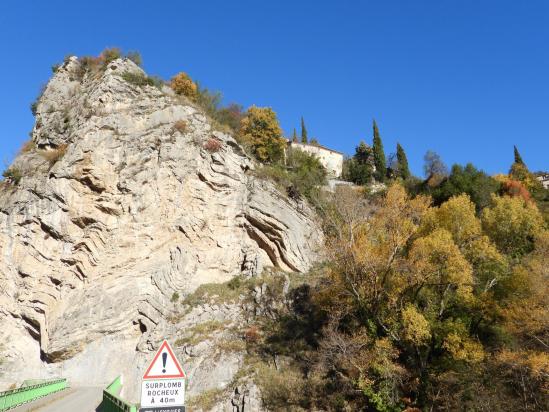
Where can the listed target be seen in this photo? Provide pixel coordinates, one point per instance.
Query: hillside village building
(544, 179)
(332, 160)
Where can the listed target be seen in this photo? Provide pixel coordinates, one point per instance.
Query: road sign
(163, 386)
(164, 365)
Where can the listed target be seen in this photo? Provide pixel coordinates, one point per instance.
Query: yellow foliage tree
(438, 263)
(261, 131)
(457, 216)
(416, 327)
(512, 224)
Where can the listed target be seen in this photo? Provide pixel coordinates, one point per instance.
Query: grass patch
(200, 333)
(231, 345)
(141, 80)
(206, 400)
(219, 292)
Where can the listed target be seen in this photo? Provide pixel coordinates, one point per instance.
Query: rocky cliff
(121, 209)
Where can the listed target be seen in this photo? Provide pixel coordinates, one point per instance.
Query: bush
(110, 54)
(302, 175)
(182, 84)
(306, 173)
(212, 145)
(34, 105)
(139, 79)
(95, 64)
(135, 57)
(225, 118)
(13, 175)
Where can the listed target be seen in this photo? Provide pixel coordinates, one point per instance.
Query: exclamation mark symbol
(164, 359)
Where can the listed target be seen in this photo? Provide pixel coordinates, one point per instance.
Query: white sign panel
(164, 381)
(163, 393)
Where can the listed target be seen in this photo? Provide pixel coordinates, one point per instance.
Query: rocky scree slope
(94, 247)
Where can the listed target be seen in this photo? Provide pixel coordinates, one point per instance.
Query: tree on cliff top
(303, 131)
(379, 155)
(261, 131)
(403, 169)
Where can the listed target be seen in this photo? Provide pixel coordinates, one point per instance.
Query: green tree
(304, 138)
(261, 131)
(403, 169)
(307, 173)
(294, 136)
(360, 166)
(477, 184)
(518, 158)
(379, 155)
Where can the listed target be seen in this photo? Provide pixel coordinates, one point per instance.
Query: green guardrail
(15, 397)
(112, 402)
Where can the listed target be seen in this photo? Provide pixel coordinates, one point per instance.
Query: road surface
(79, 399)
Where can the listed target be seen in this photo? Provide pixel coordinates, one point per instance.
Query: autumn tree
(512, 224)
(261, 131)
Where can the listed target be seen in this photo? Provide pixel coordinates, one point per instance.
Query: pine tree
(403, 169)
(294, 137)
(379, 155)
(303, 131)
(518, 158)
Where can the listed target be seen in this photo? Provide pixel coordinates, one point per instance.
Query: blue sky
(465, 78)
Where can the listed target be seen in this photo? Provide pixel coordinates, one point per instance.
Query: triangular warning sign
(164, 364)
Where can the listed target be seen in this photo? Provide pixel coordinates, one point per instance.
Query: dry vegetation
(55, 154)
(212, 145)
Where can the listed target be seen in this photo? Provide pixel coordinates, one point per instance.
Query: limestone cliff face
(94, 247)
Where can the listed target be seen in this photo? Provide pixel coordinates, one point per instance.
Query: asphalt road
(79, 399)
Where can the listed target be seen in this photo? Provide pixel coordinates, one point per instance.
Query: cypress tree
(303, 131)
(518, 158)
(379, 155)
(403, 169)
(294, 136)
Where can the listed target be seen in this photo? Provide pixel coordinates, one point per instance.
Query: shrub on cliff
(13, 175)
(182, 84)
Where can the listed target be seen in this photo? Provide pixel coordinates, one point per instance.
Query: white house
(332, 160)
(544, 179)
